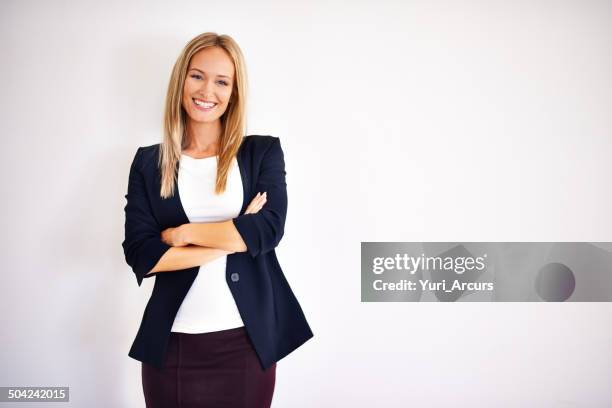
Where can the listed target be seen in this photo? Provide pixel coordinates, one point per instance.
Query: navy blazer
(271, 314)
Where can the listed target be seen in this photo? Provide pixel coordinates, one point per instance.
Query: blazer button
(235, 277)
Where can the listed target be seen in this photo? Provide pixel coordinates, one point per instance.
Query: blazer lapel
(240, 157)
(171, 213)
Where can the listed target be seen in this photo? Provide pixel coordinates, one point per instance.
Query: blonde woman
(205, 210)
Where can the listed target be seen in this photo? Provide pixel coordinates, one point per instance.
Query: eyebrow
(199, 70)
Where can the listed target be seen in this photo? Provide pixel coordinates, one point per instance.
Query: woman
(221, 313)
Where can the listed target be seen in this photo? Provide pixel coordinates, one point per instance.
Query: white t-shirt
(209, 304)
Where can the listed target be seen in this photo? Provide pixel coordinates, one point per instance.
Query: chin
(204, 120)
(199, 116)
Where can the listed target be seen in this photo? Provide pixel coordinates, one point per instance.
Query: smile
(204, 105)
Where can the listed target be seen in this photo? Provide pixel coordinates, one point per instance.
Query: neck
(203, 137)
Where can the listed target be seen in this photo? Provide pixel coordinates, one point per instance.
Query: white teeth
(204, 104)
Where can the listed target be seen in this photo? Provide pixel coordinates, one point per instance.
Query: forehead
(213, 61)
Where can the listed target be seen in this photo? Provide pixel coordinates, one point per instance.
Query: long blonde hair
(233, 120)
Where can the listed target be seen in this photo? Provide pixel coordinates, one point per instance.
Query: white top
(209, 304)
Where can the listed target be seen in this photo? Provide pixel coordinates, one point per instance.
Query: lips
(203, 105)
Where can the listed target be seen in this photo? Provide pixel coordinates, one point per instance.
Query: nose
(207, 87)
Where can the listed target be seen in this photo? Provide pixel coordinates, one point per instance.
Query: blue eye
(199, 77)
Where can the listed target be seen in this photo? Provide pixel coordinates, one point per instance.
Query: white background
(400, 121)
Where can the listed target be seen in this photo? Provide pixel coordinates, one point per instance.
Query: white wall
(400, 121)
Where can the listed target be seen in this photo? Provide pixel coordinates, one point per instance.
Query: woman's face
(208, 85)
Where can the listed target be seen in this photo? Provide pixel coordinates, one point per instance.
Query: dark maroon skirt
(216, 369)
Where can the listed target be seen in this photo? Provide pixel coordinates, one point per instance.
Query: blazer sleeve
(262, 231)
(142, 245)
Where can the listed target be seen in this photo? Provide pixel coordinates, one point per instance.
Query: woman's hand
(174, 237)
(257, 203)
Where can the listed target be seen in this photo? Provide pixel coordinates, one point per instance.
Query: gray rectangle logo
(486, 272)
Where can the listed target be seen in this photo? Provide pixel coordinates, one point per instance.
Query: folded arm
(143, 247)
(220, 235)
(178, 258)
(255, 233)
